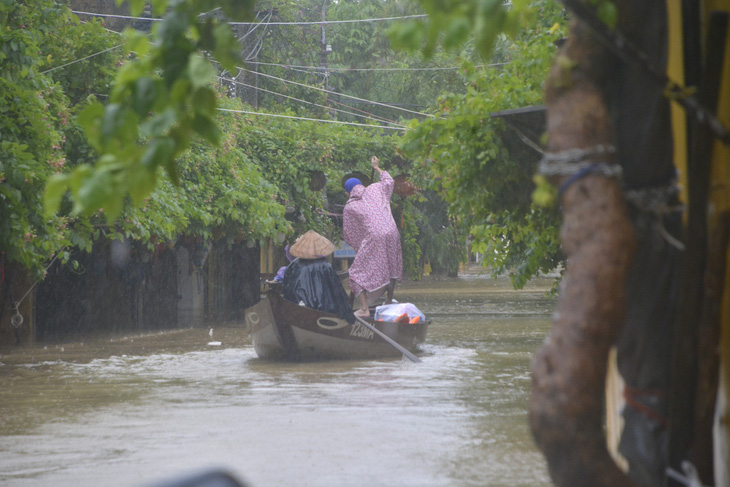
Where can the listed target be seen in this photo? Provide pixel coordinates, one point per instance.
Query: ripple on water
(134, 415)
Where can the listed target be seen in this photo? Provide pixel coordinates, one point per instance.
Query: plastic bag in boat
(315, 284)
(389, 312)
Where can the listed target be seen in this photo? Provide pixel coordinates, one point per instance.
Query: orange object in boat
(415, 320)
(402, 318)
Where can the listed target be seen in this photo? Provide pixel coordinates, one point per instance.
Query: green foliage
(452, 24)
(160, 100)
(98, 168)
(486, 180)
(410, 231)
(54, 131)
(288, 151)
(440, 237)
(32, 113)
(606, 11)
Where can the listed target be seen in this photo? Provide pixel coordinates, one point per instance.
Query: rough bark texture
(709, 351)
(569, 370)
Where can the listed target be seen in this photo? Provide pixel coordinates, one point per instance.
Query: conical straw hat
(311, 245)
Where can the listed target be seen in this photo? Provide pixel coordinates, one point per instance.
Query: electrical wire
(447, 68)
(328, 22)
(316, 22)
(383, 127)
(370, 117)
(356, 109)
(260, 74)
(82, 59)
(251, 31)
(259, 41)
(338, 94)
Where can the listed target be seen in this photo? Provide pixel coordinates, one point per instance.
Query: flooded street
(135, 411)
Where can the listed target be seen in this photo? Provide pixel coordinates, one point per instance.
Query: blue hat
(351, 183)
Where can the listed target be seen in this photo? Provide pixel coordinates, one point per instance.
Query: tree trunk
(569, 370)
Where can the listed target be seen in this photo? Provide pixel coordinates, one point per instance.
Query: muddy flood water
(141, 410)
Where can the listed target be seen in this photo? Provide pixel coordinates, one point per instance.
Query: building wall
(122, 288)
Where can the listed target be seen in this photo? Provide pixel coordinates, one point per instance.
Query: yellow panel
(720, 199)
(675, 71)
(721, 153)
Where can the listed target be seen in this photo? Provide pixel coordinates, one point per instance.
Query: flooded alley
(137, 410)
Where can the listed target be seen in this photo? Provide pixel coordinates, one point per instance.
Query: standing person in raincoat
(369, 228)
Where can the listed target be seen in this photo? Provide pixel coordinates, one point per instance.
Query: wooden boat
(282, 330)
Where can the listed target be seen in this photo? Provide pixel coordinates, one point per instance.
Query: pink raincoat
(369, 228)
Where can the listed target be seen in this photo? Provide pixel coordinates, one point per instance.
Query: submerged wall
(121, 288)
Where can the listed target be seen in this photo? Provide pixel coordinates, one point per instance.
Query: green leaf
(607, 13)
(457, 32)
(173, 28)
(407, 35)
(172, 172)
(158, 124)
(180, 91)
(207, 128)
(119, 127)
(204, 101)
(136, 7)
(174, 63)
(201, 72)
(137, 42)
(144, 95)
(160, 151)
(56, 187)
(227, 49)
(96, 191)
(141, 182)
(113, 120)
(89, 120)
(159, 7)
(113, 206)
(241, 10)
(78, 176)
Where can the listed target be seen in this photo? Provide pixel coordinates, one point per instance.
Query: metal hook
(17, 318)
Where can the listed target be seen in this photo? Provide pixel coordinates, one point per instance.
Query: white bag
(389, 312)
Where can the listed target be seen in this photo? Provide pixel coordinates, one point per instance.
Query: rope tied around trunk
(579, 163)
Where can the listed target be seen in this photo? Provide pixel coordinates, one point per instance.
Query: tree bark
(569, 370)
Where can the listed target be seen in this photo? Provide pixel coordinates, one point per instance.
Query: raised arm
(387, 181)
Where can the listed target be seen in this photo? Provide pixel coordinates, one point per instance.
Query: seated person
(311, 280)
(279, 277)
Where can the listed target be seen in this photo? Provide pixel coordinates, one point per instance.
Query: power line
(265, 75)
(446, 68)
(320, 22)
(371, 117)
(312, 119)
(328, 22)
(82, 59)
(335, 93)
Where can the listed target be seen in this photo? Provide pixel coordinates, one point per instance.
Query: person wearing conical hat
(369, 228)
(312, 245)
(311, 281)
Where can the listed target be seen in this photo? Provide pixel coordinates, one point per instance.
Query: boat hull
(282, 330)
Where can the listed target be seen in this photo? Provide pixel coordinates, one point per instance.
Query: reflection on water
(133, 411)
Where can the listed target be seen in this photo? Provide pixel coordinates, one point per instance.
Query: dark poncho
(316, 283)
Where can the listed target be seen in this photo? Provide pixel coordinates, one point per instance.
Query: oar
(392, 342)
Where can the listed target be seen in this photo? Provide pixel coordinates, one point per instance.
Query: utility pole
(324, 50)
